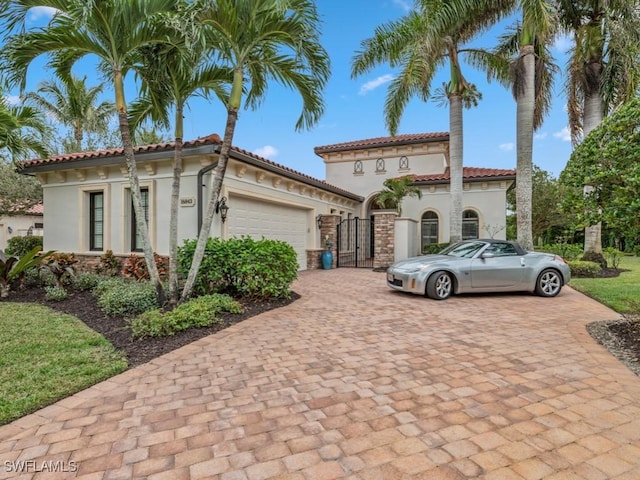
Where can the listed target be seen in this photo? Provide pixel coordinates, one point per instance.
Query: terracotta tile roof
(468, 173)
(212, 139)
(35, 210)
(383, 142)
(113, 152)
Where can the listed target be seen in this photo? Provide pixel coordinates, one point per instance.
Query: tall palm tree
(74, 105)
(395, 190)
(175, 73)
(532, 72)
(421, 42)
(114, 31)
(261, 41)
(22, 132)
(604, 71)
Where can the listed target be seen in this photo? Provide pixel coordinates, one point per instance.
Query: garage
(275, 221)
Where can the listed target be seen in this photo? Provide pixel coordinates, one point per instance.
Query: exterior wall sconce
(10, 230)
(222, 208)
(319, 221)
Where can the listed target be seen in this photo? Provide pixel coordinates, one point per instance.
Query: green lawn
(620, 293)
(46, 356)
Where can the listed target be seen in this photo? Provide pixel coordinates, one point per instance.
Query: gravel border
(616, 345)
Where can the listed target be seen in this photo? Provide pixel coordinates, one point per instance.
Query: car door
(498, 267)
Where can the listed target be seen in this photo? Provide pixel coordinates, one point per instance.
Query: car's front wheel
(440, 286)
(549, 283)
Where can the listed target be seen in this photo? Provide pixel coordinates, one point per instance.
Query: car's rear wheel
(440, 286)
(549, 283)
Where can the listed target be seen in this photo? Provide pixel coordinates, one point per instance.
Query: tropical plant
(260, 42)
(174, 74)
(419, 43)
(526, 46)
(74, 105)
(13, 267)
(603, 72)
(395, 190)
(61, 265)
(108, 264)
(116, 32)
(22, 132)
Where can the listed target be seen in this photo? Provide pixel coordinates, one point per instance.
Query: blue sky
(354, 108)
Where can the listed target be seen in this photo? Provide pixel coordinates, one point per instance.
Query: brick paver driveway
(356, 381)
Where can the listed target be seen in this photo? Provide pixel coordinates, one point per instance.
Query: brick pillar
(384, 238)
(329, 228)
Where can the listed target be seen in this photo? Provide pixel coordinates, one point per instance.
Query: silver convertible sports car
(480, 266)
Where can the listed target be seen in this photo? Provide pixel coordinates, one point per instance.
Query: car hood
(417, 262)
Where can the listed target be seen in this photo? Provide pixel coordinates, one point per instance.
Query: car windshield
(463, 249)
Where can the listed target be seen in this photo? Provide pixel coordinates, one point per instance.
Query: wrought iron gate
(355, 243)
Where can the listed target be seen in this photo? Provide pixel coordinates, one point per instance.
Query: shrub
(109, 265)
(431, 248)
(581, 268)
(106, 285)
(55, 293)
(136, 267)
(613, 257)
(568, 251)
(62, 265)
(86, 281)
(243, 267)
(636, 250)
(120, 298)
(198, 312)
(18, 246)
(13, 268)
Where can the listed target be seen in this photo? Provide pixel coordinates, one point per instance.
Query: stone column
(384, 238)
(329, 230)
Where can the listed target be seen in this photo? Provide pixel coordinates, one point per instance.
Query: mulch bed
(116, 330)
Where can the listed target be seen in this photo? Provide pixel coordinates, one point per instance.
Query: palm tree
(74, 105)
(114, 31)
(261, 41)
(603, 70)
(173, 75)
(532, 71)
(22, 131)
(419, 43)
(396, 189)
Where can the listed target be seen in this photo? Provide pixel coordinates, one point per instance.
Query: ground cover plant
(46, 355)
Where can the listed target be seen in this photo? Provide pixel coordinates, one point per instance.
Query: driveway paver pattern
(355, 381)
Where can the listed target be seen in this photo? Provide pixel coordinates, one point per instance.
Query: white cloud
(540, 136)
(266, 152)
(13, 100)
(563, 43)
(506, 147)
(373, 84)
(402, 4)
(40, 13)
(564, 134)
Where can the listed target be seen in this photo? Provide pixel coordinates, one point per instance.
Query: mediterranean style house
(27, 223)
(88, 203)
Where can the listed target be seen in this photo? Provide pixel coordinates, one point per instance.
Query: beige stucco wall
(19, 225)
(66, 196)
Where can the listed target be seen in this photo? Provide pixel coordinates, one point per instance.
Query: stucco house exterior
(28, 223)
(88, 201)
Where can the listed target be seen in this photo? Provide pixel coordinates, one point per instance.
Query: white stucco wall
(19, 225)
(66, 196)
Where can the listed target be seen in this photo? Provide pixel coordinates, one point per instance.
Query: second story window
(404, 163)
(357, 167)
(380, 165)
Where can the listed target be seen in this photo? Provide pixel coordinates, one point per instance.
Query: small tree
(396, 189)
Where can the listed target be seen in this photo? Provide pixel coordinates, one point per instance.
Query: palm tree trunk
(134, 184)
(173, 218)
(524, 163)
(455, 167)
(593, 115)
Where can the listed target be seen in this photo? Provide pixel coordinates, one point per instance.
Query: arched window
(404, 163)
(357, 167)
(429, 228)
(469, 225)
(380, 165)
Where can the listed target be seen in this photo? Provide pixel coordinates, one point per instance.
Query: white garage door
(258, 219)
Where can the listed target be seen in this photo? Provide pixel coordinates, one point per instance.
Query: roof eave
(321, 150)
(466, 180)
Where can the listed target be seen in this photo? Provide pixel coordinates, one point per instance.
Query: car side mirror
(488, 255)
